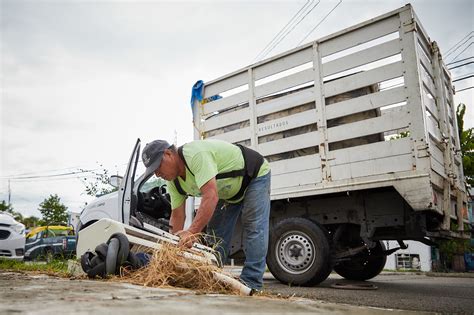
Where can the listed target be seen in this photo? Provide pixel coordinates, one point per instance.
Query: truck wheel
(299, 252)
(365, 265)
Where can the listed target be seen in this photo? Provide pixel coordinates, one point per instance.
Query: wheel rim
(295, 252)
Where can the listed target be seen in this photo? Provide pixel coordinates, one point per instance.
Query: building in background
(417, 256)
(73, 219)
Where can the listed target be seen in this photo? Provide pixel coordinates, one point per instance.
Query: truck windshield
(151, 183)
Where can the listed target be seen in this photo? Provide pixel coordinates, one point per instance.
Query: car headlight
(19, 228)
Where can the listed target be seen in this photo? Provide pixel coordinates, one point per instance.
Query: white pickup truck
(360, 131)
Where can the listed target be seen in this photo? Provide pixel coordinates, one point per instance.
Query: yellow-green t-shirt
(206, 159)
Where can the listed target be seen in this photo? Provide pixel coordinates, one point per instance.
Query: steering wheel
(158, 193)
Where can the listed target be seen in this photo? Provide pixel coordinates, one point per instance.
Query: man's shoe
(255, 292)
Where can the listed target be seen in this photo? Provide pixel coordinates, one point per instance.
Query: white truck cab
(140, 202)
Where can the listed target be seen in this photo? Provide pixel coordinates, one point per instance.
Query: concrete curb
(451, 274)
(430, 274)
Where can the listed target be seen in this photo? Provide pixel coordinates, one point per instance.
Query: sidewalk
(41, 294)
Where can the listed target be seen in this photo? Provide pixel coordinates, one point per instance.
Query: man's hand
(186, 238)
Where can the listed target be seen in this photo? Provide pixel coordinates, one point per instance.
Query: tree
(466, 139)
(53, 211)
(7, 207)
(31, 222)
(99, 185)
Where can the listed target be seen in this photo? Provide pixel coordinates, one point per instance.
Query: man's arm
(177, 218)
(204, 214)
(206, 208)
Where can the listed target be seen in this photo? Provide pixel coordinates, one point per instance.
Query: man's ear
(168, 153)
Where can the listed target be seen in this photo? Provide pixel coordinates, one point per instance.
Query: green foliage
(99, 185)
(7, 207)
(466, 138)
(56, 267)
(53, 211)
(31, 222)
(403, 134)
(449, 248)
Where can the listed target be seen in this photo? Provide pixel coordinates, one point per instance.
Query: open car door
(127, 202)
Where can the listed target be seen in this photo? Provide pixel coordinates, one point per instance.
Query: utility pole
(9, 192)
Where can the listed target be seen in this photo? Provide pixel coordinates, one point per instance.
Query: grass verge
(55, 267)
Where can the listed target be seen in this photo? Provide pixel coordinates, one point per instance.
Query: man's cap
(152, 155)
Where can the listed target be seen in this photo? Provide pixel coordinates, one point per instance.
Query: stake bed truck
(360, 131)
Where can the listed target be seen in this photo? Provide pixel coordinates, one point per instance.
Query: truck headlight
(19, 228)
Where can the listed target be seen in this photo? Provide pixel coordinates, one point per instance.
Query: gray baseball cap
(152, 155)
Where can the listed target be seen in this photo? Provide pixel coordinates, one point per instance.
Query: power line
(455, 45)
(288, 32)
(48, 176)
(468, 88)
(462, 51)
(68, 168)
(45, 171)
(324, 18)
(464, 78)
(52, 179)
(461, 60)
(281, 31)
(464, 64)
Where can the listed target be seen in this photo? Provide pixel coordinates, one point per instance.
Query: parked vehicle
(47, 242)
(360, 131)
(12, 237)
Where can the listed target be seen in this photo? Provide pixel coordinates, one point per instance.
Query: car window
(55, 233)
(151, 183)
(34, 236)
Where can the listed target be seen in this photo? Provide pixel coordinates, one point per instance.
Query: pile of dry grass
(168, 268)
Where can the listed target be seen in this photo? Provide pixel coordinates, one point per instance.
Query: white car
(12, 237)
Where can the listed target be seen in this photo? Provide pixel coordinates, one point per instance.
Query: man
(232, 180)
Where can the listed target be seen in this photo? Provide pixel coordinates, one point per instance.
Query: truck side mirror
(115, 180)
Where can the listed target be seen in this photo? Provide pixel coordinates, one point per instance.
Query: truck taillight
(64, 244)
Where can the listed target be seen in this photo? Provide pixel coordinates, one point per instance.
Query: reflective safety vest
(252, 163)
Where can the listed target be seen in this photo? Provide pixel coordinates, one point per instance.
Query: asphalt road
(395, 291)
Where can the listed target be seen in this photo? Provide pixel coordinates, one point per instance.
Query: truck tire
(299, 252)
(365, 265)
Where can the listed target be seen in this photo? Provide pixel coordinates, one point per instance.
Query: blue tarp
(196, 93)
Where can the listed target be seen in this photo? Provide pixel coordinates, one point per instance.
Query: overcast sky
(81, 80)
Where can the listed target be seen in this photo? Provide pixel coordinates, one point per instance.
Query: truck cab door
(127, 201)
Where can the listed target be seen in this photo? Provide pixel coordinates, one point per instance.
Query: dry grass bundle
(168, 268)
